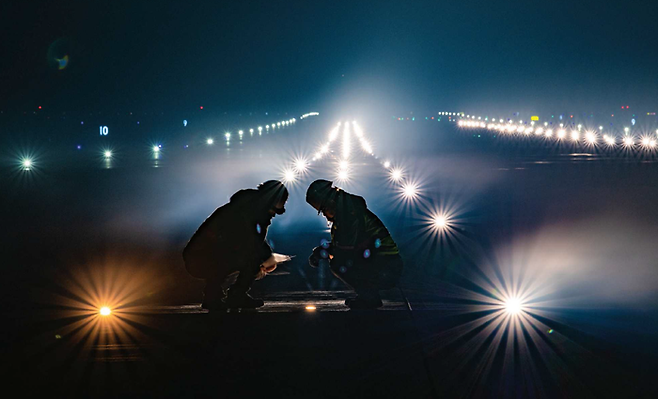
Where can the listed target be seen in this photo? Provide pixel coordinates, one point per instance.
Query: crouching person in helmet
(361, 252)
(232, 242)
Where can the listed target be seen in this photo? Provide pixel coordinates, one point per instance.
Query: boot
(367, 301)
(240, 299)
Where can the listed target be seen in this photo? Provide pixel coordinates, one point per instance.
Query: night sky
(501, 56)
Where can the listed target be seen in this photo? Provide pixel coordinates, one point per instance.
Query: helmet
(318, 193)
(273, 192)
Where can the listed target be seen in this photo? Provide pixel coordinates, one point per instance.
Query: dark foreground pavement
(285, 350)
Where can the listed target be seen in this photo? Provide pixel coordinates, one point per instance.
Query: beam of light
(210, 141)
(105, 311)
(347, 146)
(334, 133)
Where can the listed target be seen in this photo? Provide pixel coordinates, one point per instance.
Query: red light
(39, 106)
(627, 107)
(572, 116)
(201, 107)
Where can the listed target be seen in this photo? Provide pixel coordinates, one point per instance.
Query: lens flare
(210, 141)
(105, 311)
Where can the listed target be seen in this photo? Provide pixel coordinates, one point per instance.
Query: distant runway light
(590, 137)
(628, 141)
(108, 154)
(387, 164)
(27, 164)
(210, 141)
(289, 176)
(410, 191)
(396, 175)
(439, 222)
(301, 165)
(227, 135)
(561, 134)
(260, 128)
(310, 308)
(156, 148)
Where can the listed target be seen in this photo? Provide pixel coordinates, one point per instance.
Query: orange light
(310, 307)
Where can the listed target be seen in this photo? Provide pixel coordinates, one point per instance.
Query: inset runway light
(310, 308)
(156, 148)
(26, 163)
(561, 134)
(108, 154)
(210, 141)
(260, 128)
(575, 136)
(227, 135)
(105, 311)
(628, 141)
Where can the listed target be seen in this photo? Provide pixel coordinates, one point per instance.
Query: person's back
(362, 252)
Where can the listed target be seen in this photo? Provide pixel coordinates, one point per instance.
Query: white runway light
(513, 306)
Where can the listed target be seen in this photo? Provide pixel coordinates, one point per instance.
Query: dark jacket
(356, 229)
(234, 235)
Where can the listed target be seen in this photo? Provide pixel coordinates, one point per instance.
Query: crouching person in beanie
(232, 242)
(361, 252)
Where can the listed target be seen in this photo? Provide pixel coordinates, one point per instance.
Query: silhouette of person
(361, 252)
(232, 242)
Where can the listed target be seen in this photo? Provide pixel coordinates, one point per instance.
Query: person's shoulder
(358, 201)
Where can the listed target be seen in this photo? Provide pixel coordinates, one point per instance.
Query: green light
(550, 331)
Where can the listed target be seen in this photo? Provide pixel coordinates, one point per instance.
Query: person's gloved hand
(318, 254)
